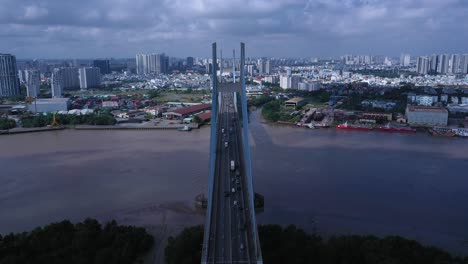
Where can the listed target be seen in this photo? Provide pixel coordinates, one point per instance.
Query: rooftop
(420, 108)
(51, 100)
(294, 100)
(191, 109)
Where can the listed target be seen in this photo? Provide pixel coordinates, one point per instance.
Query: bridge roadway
(230, 236)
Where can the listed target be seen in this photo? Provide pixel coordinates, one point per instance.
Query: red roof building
(184, 112)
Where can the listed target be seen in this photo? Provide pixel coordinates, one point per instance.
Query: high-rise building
(189, 62)
(268, 67)
(162, 63)
(443, 64)
(90, 77)
(33, 82)
(140, 63)
(70, 78)
(152, 63)
(261, 66)
(434, 63)
(103, 65)
(9, 82)
(423, 65)
(57, 83)
(464, 64)
(405, 59)
(454, 63)
(285, 81)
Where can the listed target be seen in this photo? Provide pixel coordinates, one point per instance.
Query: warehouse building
(184, 112)
(426, 115)
(49, 105)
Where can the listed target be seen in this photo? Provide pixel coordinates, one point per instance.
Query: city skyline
(95, 29)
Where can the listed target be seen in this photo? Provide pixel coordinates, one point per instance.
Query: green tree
(6, 123)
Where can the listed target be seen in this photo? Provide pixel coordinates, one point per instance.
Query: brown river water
(332, 182)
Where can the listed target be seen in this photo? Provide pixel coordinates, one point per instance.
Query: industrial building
(426, 115)
(184, 112)
(49, 105)
(295, 102)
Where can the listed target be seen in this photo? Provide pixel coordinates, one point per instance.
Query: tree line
(293, 245)
(86, 242)
(88, 119)
(6, 123)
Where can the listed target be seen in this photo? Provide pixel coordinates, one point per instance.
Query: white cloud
(170, 24)
(34, 12)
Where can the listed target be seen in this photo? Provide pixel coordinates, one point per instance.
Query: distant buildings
(263, 66)
(405, 59)
(426, 115)
(271, 79)
(289, 82)
(358, 59)
(33, 82)
(90, 77)
(57, 83)
(189, 62)
(103, 65)
(9, 82)
(309, 86)
(152, 63)
(423, 65)
(285, 82)
(425, 100)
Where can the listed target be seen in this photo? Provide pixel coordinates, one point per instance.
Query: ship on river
(347, 126)
(388, 128)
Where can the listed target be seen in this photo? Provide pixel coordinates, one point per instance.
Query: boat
(184, 128)
(388, 128)
(442, 131)
(354, 127)
(461, 132)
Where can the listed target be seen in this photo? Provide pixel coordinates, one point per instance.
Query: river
(334, 182)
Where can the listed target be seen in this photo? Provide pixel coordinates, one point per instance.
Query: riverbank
(30, 130)
(96, 127)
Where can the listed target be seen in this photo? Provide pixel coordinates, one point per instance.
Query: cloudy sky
(280, 28)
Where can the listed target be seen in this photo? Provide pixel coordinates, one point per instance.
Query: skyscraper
(405, 59)
(423, 65)
(57, 83)
(268, 67)
(103, 65)
(261, 66)
(9, 82)
(464, 64)
(443, 64)
(189, 62)
(434, 63)
(90, 77)
(33, 82)
(152, 63)
(454, 63)
(162, 63)
(141, 64)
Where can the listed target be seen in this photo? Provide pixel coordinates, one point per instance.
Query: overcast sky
(279, 28)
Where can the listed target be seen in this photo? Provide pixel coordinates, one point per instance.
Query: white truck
(233, 165)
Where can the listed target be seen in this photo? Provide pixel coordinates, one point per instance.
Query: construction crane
(54, 122)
